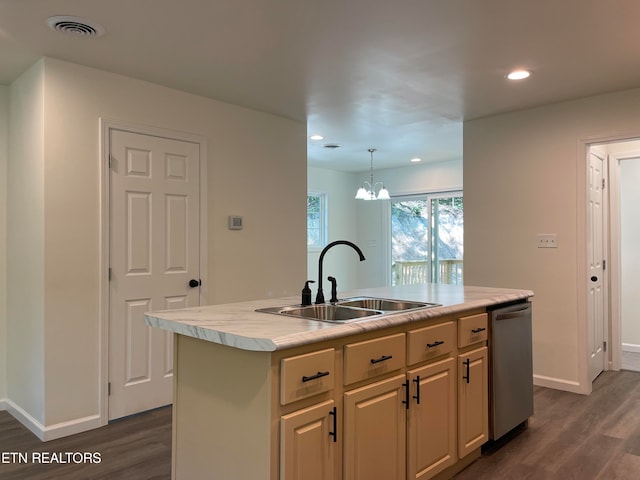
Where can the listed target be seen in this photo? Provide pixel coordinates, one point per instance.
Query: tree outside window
(427, 239)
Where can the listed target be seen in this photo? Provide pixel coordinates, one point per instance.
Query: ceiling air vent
(75, 26)
(332, 145)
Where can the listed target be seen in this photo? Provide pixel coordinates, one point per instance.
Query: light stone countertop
(238, 325)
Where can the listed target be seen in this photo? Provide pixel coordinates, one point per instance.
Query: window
(316, 220)
(427, 239)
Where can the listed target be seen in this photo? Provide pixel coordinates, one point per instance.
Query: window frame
(428, 197)
(323, 223)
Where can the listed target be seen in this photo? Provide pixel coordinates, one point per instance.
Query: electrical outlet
(547, 240)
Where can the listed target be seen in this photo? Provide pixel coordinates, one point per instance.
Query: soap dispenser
(306, 293)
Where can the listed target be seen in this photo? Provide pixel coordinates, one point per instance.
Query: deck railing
(408, 272)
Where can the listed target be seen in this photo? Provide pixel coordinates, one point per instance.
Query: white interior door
(154, 253)
(595, 264)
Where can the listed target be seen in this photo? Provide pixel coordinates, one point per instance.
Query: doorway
(621, 309)
(153, 245)
(624, 158)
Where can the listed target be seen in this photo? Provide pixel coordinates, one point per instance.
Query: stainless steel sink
(326, 312)
(384, 304)
(348, 309)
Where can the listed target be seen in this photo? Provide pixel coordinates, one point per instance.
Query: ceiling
(399, 76)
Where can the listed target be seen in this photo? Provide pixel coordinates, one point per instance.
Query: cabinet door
(473, 400)
(432, 420)
(375, 431)
(307, 444)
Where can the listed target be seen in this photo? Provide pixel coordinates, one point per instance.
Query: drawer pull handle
(381, 359)
(435, 344)
(406, 394)
(313, 377)
(466, 363)
(417, 395)
(478, 330)
(334, 434)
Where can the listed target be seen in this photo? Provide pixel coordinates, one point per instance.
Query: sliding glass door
(427, 239)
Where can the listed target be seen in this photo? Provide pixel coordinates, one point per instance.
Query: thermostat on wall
(235, 222)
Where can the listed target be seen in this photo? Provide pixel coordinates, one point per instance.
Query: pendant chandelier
(370, 190)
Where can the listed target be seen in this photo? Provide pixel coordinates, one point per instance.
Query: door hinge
(603, 183)
(604, 346)
(109, 273)
(604, 264)
(108, 388)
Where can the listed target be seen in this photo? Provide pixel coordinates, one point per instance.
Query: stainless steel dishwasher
(511, 380)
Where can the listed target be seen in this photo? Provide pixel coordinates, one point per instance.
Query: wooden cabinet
(403, 402)
(431, 445)
(375, 431)
(372, 358)
(473, 400)
(472, 329)
(304, 376)
(308, 436)
(307, 443)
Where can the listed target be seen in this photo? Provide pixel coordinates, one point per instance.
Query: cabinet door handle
(435, 344)
(466, 363)
(417, 395)
(313, 377)
(381, 359)
(478, 330)
(406, 394)
(334, 434)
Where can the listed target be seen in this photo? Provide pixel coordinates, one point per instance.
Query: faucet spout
(320, 293)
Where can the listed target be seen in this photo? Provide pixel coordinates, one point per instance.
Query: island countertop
(238, 325)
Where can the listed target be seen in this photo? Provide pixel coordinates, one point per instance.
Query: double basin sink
(348, 309)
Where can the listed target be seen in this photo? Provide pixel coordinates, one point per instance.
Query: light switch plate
(547, 240)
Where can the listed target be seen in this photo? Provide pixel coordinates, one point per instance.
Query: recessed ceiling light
(519, 75)
(316, 137)
(416, 160)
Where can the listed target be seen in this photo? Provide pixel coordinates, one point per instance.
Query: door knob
(193, 283)
(594, 279)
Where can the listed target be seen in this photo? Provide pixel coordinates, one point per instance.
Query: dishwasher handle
(512, 314)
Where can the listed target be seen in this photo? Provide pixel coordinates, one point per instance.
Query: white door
(595, 264)
(154, 253)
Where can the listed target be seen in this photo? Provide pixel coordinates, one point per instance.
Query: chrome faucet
(320, 294)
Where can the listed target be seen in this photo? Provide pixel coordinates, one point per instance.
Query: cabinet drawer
(306, 375)
(371, 358)
(430, 342)
(472, 329)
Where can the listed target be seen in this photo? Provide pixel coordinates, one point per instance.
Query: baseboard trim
(3, 404)
(64, 429)
(558, 384)
(630, 347)
(25, 419)
(52, 432)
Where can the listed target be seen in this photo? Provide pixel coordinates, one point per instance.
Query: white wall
(367, 223)
(341, 261)
(244, 147)
(630, 254)
(525, 173)
(4, 126)
(25, 246)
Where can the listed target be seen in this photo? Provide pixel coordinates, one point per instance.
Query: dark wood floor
(137, 447)
(573, 436)
(570, 437)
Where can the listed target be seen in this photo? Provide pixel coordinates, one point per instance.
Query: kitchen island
(263, 396)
